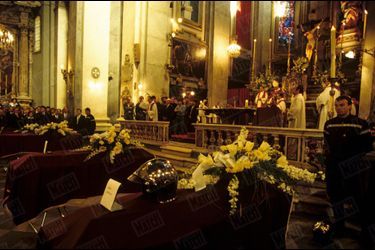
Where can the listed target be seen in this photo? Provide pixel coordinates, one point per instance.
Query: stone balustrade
(299, 145)
(147, 131)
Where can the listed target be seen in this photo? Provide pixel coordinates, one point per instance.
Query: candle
(6, 84)
(333, 51)
(246, 103)
(289, 42)
(253, 64)
(45, 147)
(365, 24)
(270, 56)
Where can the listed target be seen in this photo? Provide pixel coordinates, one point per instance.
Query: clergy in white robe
(325, 105)
(297, 111)
(153, 110)
(261, 98)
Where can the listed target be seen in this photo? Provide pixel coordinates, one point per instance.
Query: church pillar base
(24, 100)
(102, 124)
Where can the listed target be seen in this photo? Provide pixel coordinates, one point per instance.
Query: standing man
(325, 104)
(79, 122)
(153, 109)
(346, 139)
(141, 109)
(128, 109)
(297, 111)
(90, 122)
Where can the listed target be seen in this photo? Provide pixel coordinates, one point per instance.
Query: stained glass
(286, 23)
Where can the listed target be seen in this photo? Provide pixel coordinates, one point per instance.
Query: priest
(325, 103)
(297, 111)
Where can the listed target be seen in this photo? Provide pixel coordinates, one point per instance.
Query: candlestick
(6, 84)
(289, 42)
(270, 56)
(253, 64)
(342, 40)
(246, 103)
(365, 24)
(316, 52)
(333, 52)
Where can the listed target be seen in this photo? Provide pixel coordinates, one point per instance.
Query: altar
(268, 116)
(238, 116)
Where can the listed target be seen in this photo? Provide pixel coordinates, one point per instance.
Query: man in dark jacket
(347, 139)
(90, 122)
(79, 122)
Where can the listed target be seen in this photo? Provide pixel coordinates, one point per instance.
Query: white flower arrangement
(61, 128)
(113, 140)
(263, 163)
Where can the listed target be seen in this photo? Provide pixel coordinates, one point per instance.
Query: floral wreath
(263, 163)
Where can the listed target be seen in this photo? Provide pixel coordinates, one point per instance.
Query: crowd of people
(181, 113)
(13, 116)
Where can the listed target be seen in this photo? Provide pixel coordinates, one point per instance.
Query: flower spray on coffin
(114, 141)
(243, 165)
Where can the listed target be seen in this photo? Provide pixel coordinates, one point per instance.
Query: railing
(299, 145)
(147, 131)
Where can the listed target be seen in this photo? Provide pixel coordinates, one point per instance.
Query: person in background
(153, 109)
(30, 119)
(128, 109)
(90, 122)
(192, 115)
(79, 123)
(261, 98)
(297, 111)
(42, 117)
(141, 109)
(180, 127)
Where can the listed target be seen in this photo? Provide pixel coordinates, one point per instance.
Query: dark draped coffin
(194, 220)
(11, 142)
(36, 181)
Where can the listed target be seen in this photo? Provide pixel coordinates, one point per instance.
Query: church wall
(156, 21)
(116, 16)
(62, 46)
(218, 65)
(43, 66)
(95, 54)
(368, 80)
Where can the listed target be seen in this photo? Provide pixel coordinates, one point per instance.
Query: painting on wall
(6, 72)
(188, 59)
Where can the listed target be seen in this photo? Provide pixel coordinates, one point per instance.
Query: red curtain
(243, 24)
(239, 96)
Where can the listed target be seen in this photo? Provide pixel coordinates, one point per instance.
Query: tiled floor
(299, 231)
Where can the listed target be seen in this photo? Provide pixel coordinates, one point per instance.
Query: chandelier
(234, 50)
(6, 39)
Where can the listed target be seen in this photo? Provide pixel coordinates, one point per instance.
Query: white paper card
(45, 147)
(109, 196)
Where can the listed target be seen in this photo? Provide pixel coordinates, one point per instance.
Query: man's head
(298, 90)
(343, 105)
(78, 111)
(87, 111)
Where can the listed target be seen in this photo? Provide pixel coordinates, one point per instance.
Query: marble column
(24, 59)
(367, 93)
(218, 61)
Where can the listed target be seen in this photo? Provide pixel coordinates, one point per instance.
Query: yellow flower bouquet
(114, 140)
(241, 160)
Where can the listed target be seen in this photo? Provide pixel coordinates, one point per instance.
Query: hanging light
(350, 54)
(6, 39)
(234, 50)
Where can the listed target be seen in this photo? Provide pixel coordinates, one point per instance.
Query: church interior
(187, 124)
